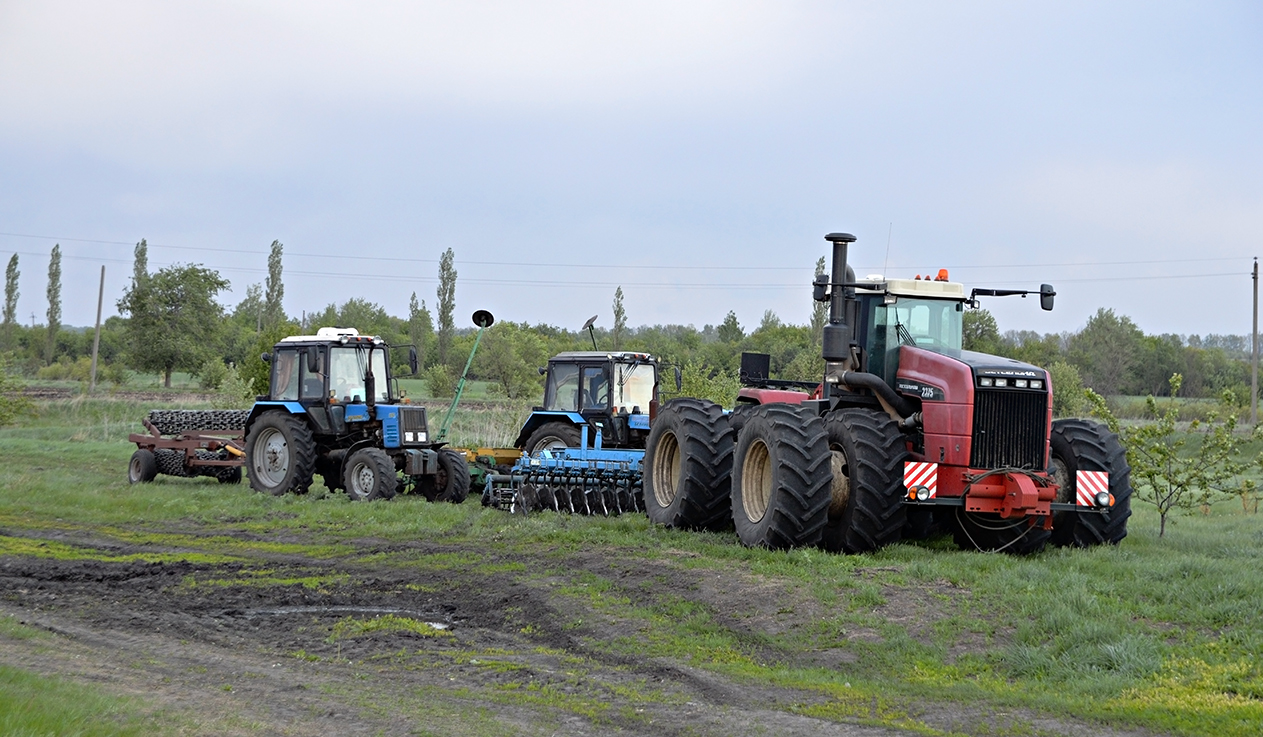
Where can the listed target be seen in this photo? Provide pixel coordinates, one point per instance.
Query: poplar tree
(10, 299)
(54, 302)
(620, 319)
(447, 304)
(273, 307)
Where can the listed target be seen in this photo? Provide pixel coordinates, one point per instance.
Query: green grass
(32, 705)
(1164, 634)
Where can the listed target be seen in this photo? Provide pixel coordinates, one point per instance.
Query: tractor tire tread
(875, 513)
(1093, 448)
(798, 507)
(706, 442)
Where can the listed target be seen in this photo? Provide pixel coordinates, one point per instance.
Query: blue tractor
(333, 408)
(583, 446)
(614, 392)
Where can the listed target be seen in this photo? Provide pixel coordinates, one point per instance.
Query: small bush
(441, 381)
(212, 374)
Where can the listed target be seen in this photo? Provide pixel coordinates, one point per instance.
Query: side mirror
(1046, 294)
(542, 370)
(267, 357)
(413, 363)
(313, 360)
(819, 288)
(679, 378)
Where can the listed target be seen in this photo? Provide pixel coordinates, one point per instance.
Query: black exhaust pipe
(836, 341)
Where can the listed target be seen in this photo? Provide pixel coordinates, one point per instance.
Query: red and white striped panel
(1088, 484)
(921, 474)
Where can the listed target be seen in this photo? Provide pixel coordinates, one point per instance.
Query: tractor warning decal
(1088, 484)
(920, 475)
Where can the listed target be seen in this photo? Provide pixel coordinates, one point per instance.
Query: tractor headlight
(1102, 498)
(985, 381)
(923, 493)
(1020, 383)
(1037, 384)
(1001, 382)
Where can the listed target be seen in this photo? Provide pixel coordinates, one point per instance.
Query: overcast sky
(694, 153)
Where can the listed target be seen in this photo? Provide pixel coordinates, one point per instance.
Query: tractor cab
(341, 379)
(919, 313)
(614, 392)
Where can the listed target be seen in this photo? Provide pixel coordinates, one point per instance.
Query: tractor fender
(541, 417)
(293, 408)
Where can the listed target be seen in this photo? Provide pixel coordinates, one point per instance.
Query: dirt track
(247, 649)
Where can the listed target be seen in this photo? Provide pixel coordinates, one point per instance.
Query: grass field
(1158, 635)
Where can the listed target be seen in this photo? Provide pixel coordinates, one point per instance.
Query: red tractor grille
(1009, 429)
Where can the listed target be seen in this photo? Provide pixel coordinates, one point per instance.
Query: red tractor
(906, 430)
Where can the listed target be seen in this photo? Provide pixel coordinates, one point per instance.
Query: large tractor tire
(142, 468)
(992, 533)
(280, 454)
(451, 483)
(552, 436)
(1080, 445)
(866, 509)
(781, 478)
(688, 466)
(369, 474)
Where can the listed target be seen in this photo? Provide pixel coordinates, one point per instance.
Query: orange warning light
(942, 275)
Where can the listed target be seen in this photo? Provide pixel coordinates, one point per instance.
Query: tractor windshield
(932, 324)
(347, 368)
(634, 387)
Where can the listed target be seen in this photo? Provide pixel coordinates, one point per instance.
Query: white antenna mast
(889, 230)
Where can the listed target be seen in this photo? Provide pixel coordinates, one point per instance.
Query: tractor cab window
(932, 324)
(347, 369)
(633, 388)
(562, 394)
(596, 388)
(313, 382)
(285, 375)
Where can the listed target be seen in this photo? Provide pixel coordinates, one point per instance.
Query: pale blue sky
(564, 149)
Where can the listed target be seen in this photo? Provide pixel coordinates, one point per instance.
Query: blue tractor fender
(541, 417)
(293, 408)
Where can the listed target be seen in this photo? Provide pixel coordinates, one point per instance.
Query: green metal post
(460, 387)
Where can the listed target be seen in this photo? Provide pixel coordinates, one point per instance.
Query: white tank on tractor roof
(327, 334)
(928, 288)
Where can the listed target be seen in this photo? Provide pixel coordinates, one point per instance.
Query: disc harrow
(589, 481)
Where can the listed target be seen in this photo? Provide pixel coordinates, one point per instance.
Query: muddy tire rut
(253, 648)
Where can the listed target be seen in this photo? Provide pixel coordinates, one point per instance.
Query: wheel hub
(756, 481)
(272, 458)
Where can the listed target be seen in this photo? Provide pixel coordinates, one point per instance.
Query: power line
(606, 266)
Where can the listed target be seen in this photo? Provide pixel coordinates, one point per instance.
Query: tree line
(172, 319)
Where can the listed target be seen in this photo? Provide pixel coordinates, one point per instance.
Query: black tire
(369, 474)
(992, 533)
(552, 436)
(142, 468)
(688, 466)
(866, 509)
(781, 478)
(451, 483)
(1081, 445)
(280, 454)
(170, 462)
(230, 476)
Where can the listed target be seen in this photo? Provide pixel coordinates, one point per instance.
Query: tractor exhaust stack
(837, 334)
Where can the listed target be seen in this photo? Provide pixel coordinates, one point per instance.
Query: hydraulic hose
(874, 383)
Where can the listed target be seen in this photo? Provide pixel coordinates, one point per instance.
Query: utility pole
(96, 340)
(1254, 356)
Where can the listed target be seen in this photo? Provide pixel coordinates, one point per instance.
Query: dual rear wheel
(781, 475)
